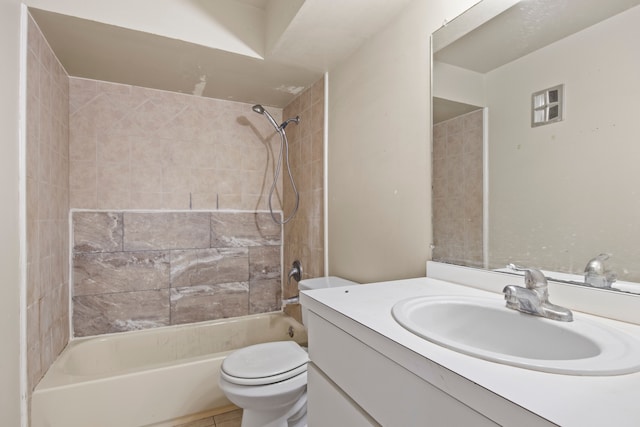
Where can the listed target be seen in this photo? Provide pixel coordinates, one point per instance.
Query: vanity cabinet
(331, 406)
(366, 366)
(351, 384)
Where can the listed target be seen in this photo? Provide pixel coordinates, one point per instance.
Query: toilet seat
(266, 363)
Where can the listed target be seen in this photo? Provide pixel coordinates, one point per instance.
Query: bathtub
(149, 377)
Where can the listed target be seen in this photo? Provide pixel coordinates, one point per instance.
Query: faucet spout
(556, 312)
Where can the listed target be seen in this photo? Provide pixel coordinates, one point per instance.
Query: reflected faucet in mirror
(534, 298)
(596, 275)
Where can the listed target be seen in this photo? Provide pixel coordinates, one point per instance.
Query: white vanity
(366, 369)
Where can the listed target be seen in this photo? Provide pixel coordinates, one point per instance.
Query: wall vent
(547, 106)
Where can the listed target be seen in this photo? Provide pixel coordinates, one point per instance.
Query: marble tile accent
(105, 273)
(208, 302)
(166, 230)
(209, 266)
(199, 282)
(97, 231)
(264, 262)
(244, 229)
(119, 312)
(265, 296)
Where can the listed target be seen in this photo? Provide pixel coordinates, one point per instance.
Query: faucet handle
(533, 278)
(295, 272)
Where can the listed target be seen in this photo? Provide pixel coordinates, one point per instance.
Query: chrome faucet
(295, 272)
(534, 298)
(596, 275)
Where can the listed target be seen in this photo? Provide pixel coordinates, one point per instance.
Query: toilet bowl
(269, 381)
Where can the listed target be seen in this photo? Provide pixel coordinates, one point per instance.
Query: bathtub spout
(292, 300)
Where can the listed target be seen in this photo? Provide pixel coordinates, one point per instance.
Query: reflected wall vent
(547, 106)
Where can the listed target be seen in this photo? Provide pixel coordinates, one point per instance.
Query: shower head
(260, 110)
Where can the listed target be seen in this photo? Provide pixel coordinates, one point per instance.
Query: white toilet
(269, 381)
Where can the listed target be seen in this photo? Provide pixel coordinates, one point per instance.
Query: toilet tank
(324, 282)
(321, 283)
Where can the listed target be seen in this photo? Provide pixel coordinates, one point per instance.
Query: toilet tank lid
(324, 282)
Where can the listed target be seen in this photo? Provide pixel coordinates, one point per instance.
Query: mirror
(513, 182)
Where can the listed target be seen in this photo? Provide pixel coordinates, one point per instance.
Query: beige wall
(379, 149)
(458, 84)
(10, 368)
(562, 193)
(47, 171)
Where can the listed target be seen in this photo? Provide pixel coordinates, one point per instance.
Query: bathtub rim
(57, 376)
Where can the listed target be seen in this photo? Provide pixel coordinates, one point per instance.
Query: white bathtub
(148, 377)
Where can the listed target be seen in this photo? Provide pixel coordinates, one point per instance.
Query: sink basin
(485, 328)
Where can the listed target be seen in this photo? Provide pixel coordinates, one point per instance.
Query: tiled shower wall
(138, 270)
(47, 170)
(458, 190)
(304, 234)
(138, 148)
(134, 148)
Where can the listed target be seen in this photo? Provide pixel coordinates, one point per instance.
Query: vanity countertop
(567, 400)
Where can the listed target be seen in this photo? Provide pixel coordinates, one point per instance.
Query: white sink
(485, 328)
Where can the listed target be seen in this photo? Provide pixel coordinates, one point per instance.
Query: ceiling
(521, 29)
(254, 51)
(445, 109)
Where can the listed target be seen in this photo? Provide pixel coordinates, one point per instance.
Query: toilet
(269, 381)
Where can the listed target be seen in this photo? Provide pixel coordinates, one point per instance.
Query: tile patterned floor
(228, 419)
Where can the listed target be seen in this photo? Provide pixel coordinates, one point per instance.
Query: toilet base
(296, 416)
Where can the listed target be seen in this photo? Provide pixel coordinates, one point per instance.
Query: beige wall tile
(47, 205)
(303, 236)
(176, 201)
(457, 190)
(173, 144)
(146, 200)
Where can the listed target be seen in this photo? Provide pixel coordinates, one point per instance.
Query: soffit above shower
(254, 51)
